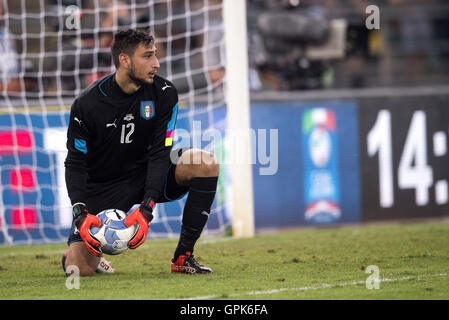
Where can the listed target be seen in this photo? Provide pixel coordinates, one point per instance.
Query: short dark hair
(127, 41)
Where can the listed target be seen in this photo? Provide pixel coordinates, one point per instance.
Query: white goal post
(238, 116)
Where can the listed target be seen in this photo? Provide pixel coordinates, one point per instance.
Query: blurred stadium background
(358, 116)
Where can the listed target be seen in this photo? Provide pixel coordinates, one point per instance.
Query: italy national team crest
(147, 109)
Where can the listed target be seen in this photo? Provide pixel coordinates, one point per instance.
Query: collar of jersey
(110, 88)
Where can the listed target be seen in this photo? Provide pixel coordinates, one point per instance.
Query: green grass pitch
(324, 263)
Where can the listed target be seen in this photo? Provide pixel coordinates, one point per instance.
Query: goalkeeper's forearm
(156, 172)
(76, 181)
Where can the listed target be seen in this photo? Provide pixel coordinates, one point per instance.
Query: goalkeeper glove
(142, 216)
(84, 221)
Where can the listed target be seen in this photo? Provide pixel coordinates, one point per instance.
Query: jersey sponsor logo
(147, 109)
(112, 124)
(165, 87)
(77, 120)
(128, 117)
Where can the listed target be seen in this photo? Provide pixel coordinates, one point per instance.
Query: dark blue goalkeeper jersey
(114, 137)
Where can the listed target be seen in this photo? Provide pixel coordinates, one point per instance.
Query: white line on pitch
(317, 287)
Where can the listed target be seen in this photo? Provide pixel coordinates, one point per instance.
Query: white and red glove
(142, 216)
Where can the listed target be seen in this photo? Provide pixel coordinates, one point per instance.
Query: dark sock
(196, 212)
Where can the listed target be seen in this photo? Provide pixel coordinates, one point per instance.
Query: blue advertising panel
(317, 176)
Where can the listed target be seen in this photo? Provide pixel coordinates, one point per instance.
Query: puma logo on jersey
(165, 87)
(111, 124)
(128, 117)
(77, 120)
(205, 213)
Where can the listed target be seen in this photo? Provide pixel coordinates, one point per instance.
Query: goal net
(50, 51)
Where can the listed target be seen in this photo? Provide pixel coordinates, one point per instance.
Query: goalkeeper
(119, 143)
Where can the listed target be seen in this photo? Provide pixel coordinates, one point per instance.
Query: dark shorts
(125, 194)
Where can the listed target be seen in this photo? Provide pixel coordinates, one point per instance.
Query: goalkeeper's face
(144, 64)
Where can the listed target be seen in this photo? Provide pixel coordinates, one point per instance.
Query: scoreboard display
(404, 157)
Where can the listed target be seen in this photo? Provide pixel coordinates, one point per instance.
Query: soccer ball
(113, 234)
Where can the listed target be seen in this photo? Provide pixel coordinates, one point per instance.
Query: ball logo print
(107, 222)
(113, 234)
